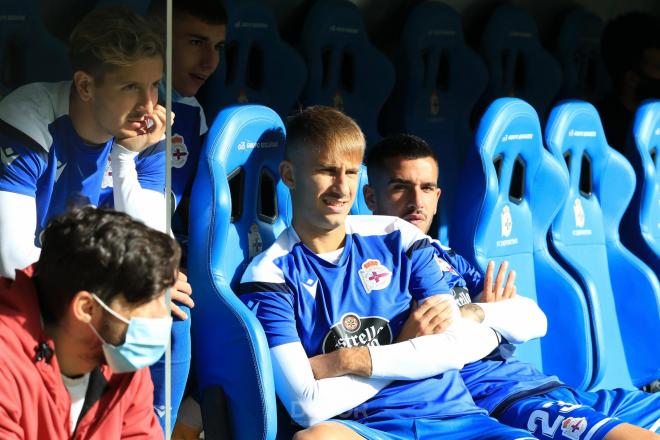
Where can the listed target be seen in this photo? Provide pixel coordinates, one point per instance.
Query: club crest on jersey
(355, 331)
(374, 276)
(179, 151)
(573, 427)
(444, 266)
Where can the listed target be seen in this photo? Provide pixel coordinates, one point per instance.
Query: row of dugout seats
(432, 88)
(553, 211)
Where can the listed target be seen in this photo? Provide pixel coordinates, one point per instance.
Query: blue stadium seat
(438, 81)
(28, 51)
(518, 66)
(578, 52)
(345, 70)
(510, 192)
(622, 292)
(256, 66)
(234, 215)
(640, 227)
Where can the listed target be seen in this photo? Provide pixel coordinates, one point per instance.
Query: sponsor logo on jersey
(7, 155)
(60, 168)
(355, 331)
(310, 286)
(374, 276)
(179, 151)
(573, 427)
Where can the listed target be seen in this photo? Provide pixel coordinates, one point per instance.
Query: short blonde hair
(323, 130)
(113, 37)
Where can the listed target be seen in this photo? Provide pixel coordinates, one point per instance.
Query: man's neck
(71, 363)
(83, 120)
(320, 241)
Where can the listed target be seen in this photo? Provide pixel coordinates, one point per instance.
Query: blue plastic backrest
(621, 291)
(578, 50)
(517, 63)
(640, 227)
(439, 79)
(28, 51)
(509, 196)
(246, 144)
(256, 66)
(345, 70)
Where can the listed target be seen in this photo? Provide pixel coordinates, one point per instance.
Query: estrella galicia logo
(461, 295)
(354, 331)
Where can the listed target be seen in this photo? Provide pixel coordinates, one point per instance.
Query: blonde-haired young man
(333, 293)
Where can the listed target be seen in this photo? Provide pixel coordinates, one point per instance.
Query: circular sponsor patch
(351, 323)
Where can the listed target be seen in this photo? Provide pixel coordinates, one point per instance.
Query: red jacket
(34, 403)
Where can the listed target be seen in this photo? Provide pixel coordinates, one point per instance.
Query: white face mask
(145, 343)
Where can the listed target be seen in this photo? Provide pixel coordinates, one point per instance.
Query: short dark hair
(113, 37)
(105, 252)
(208, 11)
(321, 128)
(403, 146)
(624, 40)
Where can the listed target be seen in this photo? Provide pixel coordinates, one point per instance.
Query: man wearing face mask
(631, 52)
(79, 326)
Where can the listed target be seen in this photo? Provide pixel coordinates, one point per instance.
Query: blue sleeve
(427, 276)
(20, 168)
(474, 279)
(150, 167)
(272, 303)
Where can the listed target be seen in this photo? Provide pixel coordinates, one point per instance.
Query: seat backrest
(28, 51)
(256, 66)
(585, 236)
(438, 81)
(518, 65)
(578, 50)
(640, 227)
(344, 69)
(234, 214)
(510, 194)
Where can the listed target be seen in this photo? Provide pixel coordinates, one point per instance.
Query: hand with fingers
(151, 131)
(433, 316)
(499, 291)
(181, 293)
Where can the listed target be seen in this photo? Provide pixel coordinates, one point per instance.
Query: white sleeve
(463, 342)
(18, 223)
(311, 401)
(518, 319)
(142, 204)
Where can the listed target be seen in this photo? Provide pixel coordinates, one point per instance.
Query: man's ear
(286, 172)
(369, 197)
(82, 306)
(84, 84)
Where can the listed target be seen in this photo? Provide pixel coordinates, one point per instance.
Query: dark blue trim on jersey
(258, 287)
(18, 137)
(506, 403)
(419, 244)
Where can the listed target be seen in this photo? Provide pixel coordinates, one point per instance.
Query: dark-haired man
(79, 326)
(403, 175)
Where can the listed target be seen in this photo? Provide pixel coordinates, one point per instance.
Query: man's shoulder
(31, 109)
(266, 267)
(191, 104)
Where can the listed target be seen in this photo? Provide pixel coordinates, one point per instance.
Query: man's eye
(130, 87)
(196, 42)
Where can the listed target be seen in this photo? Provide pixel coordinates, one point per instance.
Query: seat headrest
(517, 63)
(578, 52)
(237, 178)
(345, 70)
(257, 66)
